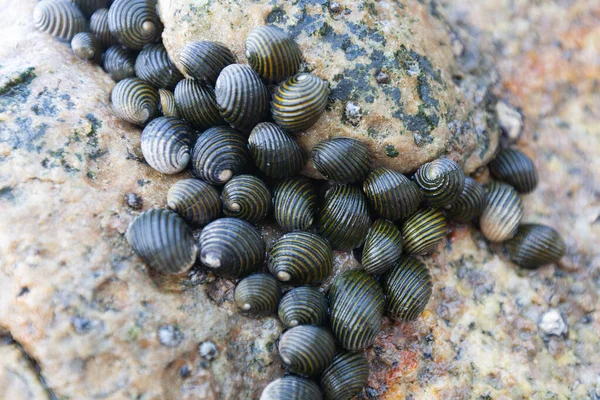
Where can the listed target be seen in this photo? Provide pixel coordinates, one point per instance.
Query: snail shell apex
(195, 201)
(59, 18)
(303, 305)
(166, 144)
(134, 22)
(87, 47)
(441, 181)
(134, 101)
(246, 197)
(257, 295)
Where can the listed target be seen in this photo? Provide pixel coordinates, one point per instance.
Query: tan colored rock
(18, 380)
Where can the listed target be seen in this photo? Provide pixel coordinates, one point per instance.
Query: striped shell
(303, 305)
(307, 349)
(204, 61)
(87, 47)
(242, 98)
(356, 305)
(502, 213)
(163, 241)
(516, 169)
(134, 22)
(196, 103)
(343, 160)
(535, 245)
(383, 247)
(219, 154)
(300, 258)
(99, 27)
(195, 201)
(274, 151)
(294, 204)
(469, 204)
(166, 144)
(166, 104)
(291, 387)
(344, 217)
(231, 248)
(257, 295)
(119, 63)
(299, 101)
(441, 181)
(155, 67)
(346, 376)
(391, 194)
(407, 288)
(246, 197)
(88, 7)
(59, 18)
(272, 53)
(134, 101)
(423, 231)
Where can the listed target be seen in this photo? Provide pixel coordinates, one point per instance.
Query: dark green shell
(197, 104)
(166, 103)
(231, 248)
(391, 194)
(346, 376)
(356, 305)
(99, 27)
(163, 241)
(423, 231)
(166, 144)
(502, 213)
(294, 204)
(407, 288)
(257, 295)
(535, 245)
(274, 151)
(272, 53)
(441, 181)
(291, 387)
(343, 160)
(516, 169)
(195, 201)
(469, 204)
(59, 18)
(218, 155)
(383, 247)
(300, 258)
(134, 22)
(246, 197)
(134, 101)
(87, 47)
(303, 305)
(119, 63)
(155, 67)
(307, 349)
(204, 60)
(299, 101)
(344, 217)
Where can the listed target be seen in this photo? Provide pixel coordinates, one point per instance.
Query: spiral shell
(119, 63)
(134, 101)
(307, 349)
(441, 181)
(155, 67)
(407, 288)
(219, 154)
(166, 144)
(299, 101)
(344, 217)
(163, 241)
(294, 204)
(535, 245)
(99, 27)
(303, 305)
(275, 152)
(195, 201)
(204, 61)
(469, 204)
(231, 248)
(356, 305)
(134, 22)
(383, 247)
(391, 194)
(166, 104)
(502, 213)
(516, 169)
(423, 231)
(272, 53)
(257, 295)
(59, 18)
(88, 7)
(196, 103)
(343, 160)
(291, 387)
(346, 376)
(246, 197)
(87, 47)
(242, 98)
(300, 258)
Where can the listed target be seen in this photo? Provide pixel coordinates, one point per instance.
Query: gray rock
(553, 324)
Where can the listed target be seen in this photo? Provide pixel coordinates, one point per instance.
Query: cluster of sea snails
(245, 165)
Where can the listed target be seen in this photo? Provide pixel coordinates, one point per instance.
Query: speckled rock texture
(81, 318)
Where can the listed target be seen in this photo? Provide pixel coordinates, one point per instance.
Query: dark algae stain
(27, 136)
(7, 193)
(16, 79)
(391, 151)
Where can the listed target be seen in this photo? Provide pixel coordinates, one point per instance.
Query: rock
(553, 324)
(415, 114)
(18, 379)
(208, 350)
(510, 121)
(170, 336)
